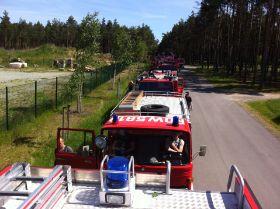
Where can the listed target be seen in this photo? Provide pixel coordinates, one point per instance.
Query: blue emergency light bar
(175, 121)
(115, 118)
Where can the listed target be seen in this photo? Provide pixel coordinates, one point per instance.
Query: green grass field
(41, 58)
(34, 142)
(269, 110)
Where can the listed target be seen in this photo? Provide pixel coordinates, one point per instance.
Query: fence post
(91, 80)
(95, 84)
(56, 92)
(114, 78)
(68, 116)
(119, 88)
(63, 114)
(7, 109)
(35, 108)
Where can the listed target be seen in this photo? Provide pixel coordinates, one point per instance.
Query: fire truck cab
(161, 82)
(144, 125)
(147, 139)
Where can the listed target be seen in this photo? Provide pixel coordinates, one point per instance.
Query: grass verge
(267, 111)
(34, 142)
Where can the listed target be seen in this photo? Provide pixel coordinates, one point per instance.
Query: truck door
(180, 84)
(79, 150)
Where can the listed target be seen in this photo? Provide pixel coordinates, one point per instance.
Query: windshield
(149, 146)
(156, 86)
(167, 67)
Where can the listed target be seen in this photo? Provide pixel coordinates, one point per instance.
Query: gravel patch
(12, 78)
(14, 75)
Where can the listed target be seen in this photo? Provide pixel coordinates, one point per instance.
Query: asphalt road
(232, 136)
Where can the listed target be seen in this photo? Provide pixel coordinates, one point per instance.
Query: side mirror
(101, 141)
(202, 150)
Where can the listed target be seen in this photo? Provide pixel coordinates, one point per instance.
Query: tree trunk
(79, 98)
(266, 43)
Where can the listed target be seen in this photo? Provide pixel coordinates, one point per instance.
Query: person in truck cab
(63, 147)
(174, 149)
(175, 145)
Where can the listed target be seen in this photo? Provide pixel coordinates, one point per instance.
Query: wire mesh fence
(19, 104)
(2, 109)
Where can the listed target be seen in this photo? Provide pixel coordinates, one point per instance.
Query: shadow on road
(197, 84)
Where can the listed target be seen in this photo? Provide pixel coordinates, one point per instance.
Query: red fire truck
(146, 123)
(145, 138)
(163, 73)
(181, 62)
(161, 82)
(170, 60)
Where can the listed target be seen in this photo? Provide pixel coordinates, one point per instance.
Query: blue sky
(160, 15)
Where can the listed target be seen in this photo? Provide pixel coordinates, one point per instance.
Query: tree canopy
(109, 36)
(239, 37)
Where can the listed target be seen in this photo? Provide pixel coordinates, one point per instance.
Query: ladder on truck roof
(16, 185)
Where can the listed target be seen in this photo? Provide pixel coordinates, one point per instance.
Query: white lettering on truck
(130, 118)
(152, 119)
(140, 119)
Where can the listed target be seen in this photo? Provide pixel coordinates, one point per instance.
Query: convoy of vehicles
(168, 59)
(128, 163)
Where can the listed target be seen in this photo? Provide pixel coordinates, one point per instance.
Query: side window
(77, 141)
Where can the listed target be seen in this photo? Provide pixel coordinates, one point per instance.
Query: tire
(154, 109)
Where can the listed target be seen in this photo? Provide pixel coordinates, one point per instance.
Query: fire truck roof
(175, 104)
(132, 103)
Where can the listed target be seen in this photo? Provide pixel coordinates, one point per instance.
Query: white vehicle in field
(17, 63)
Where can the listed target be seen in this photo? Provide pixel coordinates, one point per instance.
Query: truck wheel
(154, 109)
